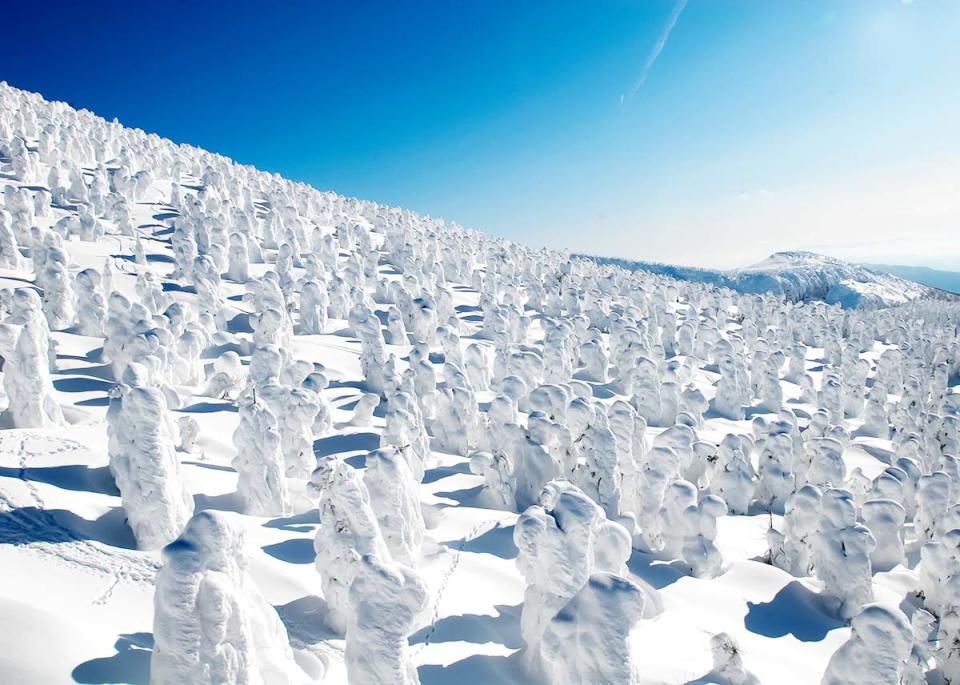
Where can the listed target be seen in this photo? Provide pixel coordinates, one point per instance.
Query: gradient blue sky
(759, 126)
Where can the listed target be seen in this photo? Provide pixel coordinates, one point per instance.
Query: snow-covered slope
(801, 277)
(413, 453)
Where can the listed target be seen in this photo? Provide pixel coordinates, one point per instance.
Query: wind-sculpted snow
(377, 447)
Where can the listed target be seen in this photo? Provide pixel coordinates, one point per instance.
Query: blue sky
(758, 126)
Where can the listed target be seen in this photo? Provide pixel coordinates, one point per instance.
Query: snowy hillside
(258, 433)
(802, 277)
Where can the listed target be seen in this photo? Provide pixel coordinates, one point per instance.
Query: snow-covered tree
(348, 530)
(396, 503)
(27, 383)
(733, 478)
(91, 305)
(261, 479)
(792, 549)
(587, 641)
(143, 461)
(842, 549)
(10, 257)
(876, 651)
(385, 600)
(363, 411)
(239, 258)
(555, 556)
(924, 626)
(885, 518)
(699, 542)
(211, 624)
(313, 307)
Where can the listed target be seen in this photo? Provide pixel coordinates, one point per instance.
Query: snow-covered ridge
(801, 276)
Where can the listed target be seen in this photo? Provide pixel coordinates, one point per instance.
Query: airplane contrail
(654, 53)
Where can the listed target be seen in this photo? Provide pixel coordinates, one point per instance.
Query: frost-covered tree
(531, 466)
(313, 307)
(404, 429)
(842, 549)
(679, 495)
(143, 460)
(363, 411)
(189, 366)
(924, 627)
(456, 419)
(91, 305)
(660, 469)
(206, 278)
(700, 535)
(876, 651)
(261, 479)
(599, 475)
(776, 479)
(875, 420)
(826, 467)
(792, 549)
(645, 384)
(348, 530)
(395, 327)
(396, 503)
(385, 600)
(885, 518)
(555, 557)
(239, 258)
(728, 401)
(296, 418)
(948, 648)
(933, 498)
(227, 378)
(9, 249)
(189, 434)
(728, 668)
(733, 478)
(629, 431)
(476, 367)
(211, 624)
(27, 383)
(587, 641)
(59, 300)
(612, 547)
(594, 358)
(939, 562)
(373, 347)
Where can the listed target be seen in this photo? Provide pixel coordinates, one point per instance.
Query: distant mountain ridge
(935, 278)
(801, 276)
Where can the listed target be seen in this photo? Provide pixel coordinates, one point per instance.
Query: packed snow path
(183, 334)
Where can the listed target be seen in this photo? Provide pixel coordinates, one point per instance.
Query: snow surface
(77, 595)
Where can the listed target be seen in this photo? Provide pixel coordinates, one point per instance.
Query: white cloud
(654, 53)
